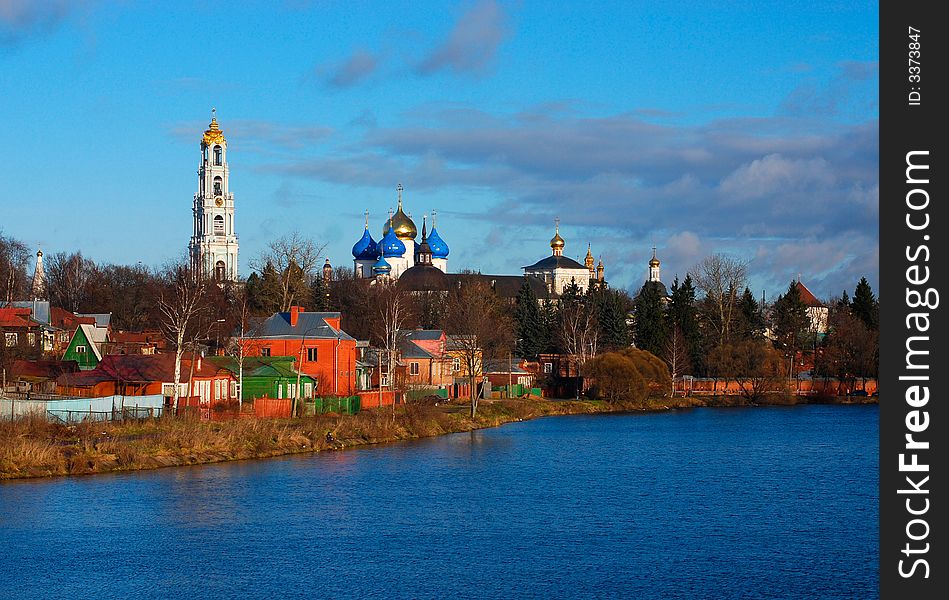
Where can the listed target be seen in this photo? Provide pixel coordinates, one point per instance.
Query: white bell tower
(213, 246)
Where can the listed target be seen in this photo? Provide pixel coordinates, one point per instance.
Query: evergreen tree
(682, 314)
(611, 307)
(865, 306)
(531, 330)
(319, 295)
(790, 322)
(750, 323)
(650, 323)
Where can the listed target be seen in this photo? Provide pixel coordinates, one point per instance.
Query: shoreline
(33, 448)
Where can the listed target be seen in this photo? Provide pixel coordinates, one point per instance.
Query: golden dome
(556, 241)
(213, 134)
(654, 262)
(403, 225)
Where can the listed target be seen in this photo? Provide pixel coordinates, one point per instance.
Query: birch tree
(180, 305)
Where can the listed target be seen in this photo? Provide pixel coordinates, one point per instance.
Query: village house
(266, 376)
(200, 380)
(321, 348)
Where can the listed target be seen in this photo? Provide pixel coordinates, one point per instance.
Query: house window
(265, 351)
(308, 390)
(311, 354)
(10, 339)
(548, 367)
(384, 381)
(31, 338)
(233, 389)
(80, 349)
(456, 364)
(413, 368)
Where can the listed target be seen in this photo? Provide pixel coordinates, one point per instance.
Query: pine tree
(865, 306)
(750, 322)
(790, 322)
(531, 330)
(681, 313)
(611, 307)
(650, 322)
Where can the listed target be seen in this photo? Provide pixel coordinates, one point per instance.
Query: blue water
(708, 503)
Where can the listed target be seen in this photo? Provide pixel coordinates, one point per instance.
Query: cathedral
(213, 247)
(397, 251)
(421, 265)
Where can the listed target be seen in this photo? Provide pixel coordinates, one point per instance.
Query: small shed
(267, 376)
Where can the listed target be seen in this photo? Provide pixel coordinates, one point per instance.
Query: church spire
(38, 289)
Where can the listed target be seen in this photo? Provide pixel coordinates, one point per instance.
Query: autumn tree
(851, 349)
(753, 364)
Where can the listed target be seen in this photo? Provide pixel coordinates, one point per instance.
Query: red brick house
(322, 349)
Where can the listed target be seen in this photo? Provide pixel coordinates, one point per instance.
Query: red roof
(42, 369)
(16, 317)
(138, 368)
(807, 297)
(63, 319)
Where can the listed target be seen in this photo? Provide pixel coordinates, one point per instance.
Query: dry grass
(32, 447)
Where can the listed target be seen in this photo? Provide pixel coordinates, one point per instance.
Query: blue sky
(749, 128)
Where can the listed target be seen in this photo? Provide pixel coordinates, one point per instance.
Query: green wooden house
(85, 346)
(270, 376)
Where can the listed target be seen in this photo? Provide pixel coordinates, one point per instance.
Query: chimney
(294, 315)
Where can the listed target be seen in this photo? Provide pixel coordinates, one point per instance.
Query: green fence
(344, 405)
(515, 391)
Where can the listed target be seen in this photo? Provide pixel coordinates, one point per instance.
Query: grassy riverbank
(36, 448)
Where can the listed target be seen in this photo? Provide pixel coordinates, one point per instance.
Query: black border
(905, 128)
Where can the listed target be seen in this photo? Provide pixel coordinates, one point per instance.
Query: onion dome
(556, 242)
(391, 246)
(654, 262)
(402, 224)
(436, 243)
(365, 248)
(381, 267)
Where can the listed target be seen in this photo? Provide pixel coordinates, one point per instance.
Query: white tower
(654, 266)
(213, 245)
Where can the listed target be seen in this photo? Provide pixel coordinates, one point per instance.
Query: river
(705, 503)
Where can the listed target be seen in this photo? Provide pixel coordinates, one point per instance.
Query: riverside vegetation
(33, 447)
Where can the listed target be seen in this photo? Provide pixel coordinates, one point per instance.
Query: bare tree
(389, 310)
(180, 305)
(295, 259)
(721, 277)
(68, 278)
(480, 328)
(14, 256)
(579, 334)
(676, 354)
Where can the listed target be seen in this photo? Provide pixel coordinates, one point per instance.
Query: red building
(323, 350)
